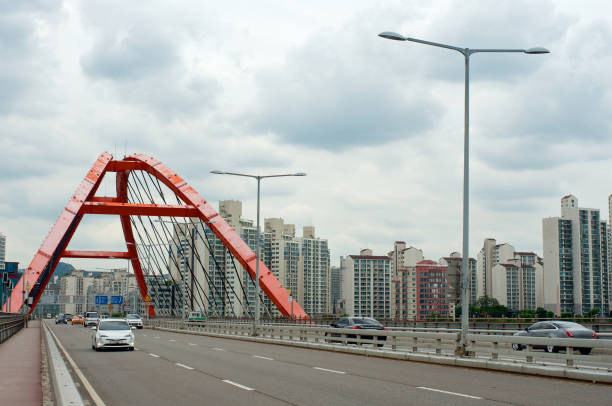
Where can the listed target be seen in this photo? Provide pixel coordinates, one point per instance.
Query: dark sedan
(357, 323)
(555, 329)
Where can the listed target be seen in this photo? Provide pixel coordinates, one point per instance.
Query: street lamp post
(466, 52)
(259, 178)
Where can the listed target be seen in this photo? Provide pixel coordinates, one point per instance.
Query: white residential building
(2, 251)
(367, 285)
(576, 260)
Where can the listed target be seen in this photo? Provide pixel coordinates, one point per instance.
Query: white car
(112, 333)
(134, 320)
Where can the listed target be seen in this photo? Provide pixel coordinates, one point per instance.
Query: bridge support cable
(156, 247)
(221, 270)
(180, 226)
(170, 236)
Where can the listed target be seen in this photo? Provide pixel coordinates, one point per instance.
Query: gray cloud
(331, 95)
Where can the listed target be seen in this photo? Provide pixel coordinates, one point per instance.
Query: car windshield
(91, 314)
(133, 316)
(567, 324)
(366, 320)
(114, 325)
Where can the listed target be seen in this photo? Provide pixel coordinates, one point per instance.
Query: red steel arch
(84, 201)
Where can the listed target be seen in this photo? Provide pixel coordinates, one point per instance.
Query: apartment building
(2, 251)
(367, 285)
(403, 280)
(432, 287)
(218, 284)
(453, 265)
(514, 285)
(576, 260)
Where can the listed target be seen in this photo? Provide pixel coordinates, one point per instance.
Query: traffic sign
(116, 300)
(147, 299)
(110, 306)
(101, 300)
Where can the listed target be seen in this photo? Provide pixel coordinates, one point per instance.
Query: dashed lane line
(449, 393)
(183, 365)
(218, 349)
(260, 357)
(154, 355)
(191, 344)
(329, 370)
(237, 384)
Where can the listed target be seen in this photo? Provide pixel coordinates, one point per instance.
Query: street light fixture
(466, 52)
(259, 178)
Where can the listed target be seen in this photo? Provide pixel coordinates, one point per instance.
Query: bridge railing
(10, 324)
(481, 344)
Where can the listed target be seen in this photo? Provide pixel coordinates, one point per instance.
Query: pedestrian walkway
(20, 382)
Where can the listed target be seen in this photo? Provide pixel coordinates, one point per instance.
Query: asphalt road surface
(182, 369)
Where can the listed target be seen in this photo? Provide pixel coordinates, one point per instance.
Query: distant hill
(62, 269)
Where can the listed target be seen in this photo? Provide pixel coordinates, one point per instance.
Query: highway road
(172, 368)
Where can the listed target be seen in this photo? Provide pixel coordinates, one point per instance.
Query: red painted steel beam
(45, 260)
(97, 254)
(133, 209)
(126, 165)
(130, 243)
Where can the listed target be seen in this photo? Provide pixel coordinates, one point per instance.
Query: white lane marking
(191, 344)
(218, 349)
(171, 340)
(144, 335)
(155, 337)
(94, 396)
(136, 349)
(154, 355)
(259, 356)
(449, 393)
(329, 370)
(183, 365)
(237, 384)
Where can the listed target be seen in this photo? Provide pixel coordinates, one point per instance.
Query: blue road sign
(117, 300)
(101, 300)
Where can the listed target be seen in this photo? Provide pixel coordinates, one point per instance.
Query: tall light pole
(259, 178)
(466, 52)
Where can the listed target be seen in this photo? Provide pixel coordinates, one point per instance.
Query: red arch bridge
(169, 229)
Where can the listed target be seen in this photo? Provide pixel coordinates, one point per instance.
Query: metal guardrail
(491, 346)
(11, 324)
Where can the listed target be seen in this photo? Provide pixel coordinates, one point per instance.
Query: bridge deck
(188, 369)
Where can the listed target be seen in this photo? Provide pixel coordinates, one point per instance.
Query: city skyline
(383, 155)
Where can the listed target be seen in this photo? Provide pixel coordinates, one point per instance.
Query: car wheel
(517, 347)
(585, 351)
(131, 348)
(93, 347)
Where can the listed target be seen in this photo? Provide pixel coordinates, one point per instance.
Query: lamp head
(299, 174)
(216, 172)
(537, 50)
(392, 35)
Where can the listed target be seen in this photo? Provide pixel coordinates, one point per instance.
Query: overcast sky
(281, 86)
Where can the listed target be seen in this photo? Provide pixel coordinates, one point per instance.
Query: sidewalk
(20, 380)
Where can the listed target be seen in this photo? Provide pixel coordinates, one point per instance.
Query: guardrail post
(438, 346)
(495, 354)
(394, 345)
(415, 347)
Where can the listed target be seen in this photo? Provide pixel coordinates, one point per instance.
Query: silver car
(555, 329)
(112, 333)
